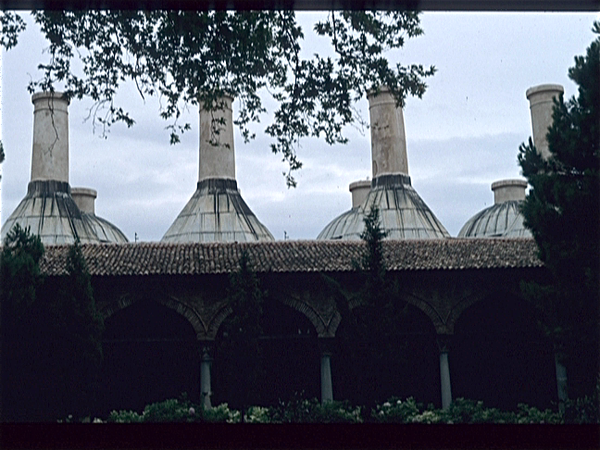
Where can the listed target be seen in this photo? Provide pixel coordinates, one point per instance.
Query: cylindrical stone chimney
(217, 153)
(85, 199)
(50, 153)
(388, 137)
(509, 190)
(360, 190)
(541, 104)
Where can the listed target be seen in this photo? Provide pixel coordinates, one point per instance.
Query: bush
(470, 411)
(302, 410)
(125, 417)
(258, 414)
(337, 412)
(396, 411)
(171, 410)
(221, 413)
(530, 414)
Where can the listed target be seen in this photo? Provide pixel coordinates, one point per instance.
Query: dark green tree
(239, 350)
(368, 333)
(562, 210)
(192, 57)
(75, 331)
(20, 281)
(51, 334)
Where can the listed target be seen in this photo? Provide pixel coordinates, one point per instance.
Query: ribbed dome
(403, 213)
(50, 212)
(504, 218)
(217, 213)
(105, 231)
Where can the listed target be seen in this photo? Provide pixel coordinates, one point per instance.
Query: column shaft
(445, 379)
(326, 384)
(561, 382)
(205, 366)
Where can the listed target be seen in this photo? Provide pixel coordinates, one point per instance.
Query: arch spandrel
(443, 303)
(203, 315)
(318, 308)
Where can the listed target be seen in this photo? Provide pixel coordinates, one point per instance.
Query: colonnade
(325, 345)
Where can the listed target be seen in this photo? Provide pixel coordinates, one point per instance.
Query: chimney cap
(46, 94)
(360, 184)
(84, 191)
(507, 183)
(544, 88)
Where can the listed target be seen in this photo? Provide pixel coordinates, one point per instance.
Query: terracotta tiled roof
(293, 256)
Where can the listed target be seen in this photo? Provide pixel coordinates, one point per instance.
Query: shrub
(302, 410)
(397, 411)
(470, 411)
(171, 410)
(125, 417)
(258, 414)
(337, 412)
(530, 414)
(221, 413)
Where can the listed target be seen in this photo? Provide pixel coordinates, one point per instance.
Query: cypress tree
(562, 210)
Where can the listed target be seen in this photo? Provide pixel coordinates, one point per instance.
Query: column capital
(326, 345)
(444, 342)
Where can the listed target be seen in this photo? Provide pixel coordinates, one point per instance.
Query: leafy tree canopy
(191, 57)
(563, 207)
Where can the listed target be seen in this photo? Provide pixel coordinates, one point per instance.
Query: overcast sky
(462, 135)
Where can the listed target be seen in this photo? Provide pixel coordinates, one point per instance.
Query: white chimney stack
(85, 199)
(541, 103)
(509, 190)
(360, 190)
(50, 153)
(217, 153)
(388, 137)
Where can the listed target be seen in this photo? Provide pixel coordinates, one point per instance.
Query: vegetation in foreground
(302, 410)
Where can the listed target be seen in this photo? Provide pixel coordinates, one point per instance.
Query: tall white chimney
(50, 153)
(388, 137)
(509, 190)
(85, 199)
(541, 103)
(217, 153)
(217, 212)
(359, 190)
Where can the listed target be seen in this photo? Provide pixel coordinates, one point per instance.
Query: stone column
(205, 366)
(326, 383)
(561, 382)
(217, 153)
(444, 345)
(50, 149)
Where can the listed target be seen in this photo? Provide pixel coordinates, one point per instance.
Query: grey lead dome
(217, 212)
(403, 213)
(504, 218)
(48, 208)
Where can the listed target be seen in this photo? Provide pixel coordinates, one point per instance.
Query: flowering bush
(470, 411)
(302, 410)
(221, 413)
(397, 411)
(258, 414)
(125, 417)
(530, 414)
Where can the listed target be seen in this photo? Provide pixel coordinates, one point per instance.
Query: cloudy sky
(462, 135)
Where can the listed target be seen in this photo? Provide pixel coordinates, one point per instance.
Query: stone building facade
(470, 332)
